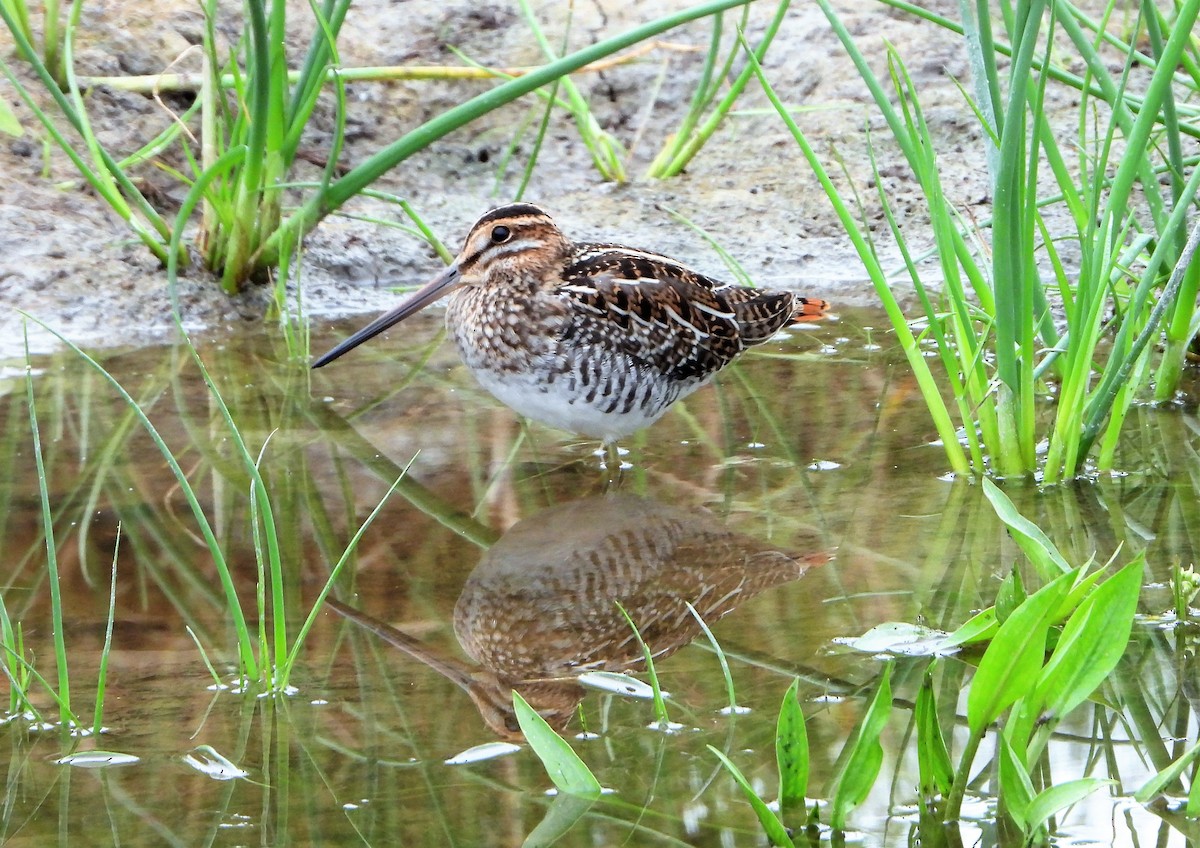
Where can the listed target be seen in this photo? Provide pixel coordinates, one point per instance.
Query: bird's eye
(501, 234)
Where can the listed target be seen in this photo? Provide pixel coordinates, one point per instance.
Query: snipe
(594, 339)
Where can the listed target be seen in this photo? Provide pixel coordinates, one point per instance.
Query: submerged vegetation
(986, 661)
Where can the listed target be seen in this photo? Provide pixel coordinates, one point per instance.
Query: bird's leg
(611, 463)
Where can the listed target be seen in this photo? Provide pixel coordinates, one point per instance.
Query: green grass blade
(660, 705)
(52, 576)
(245, 649)
(696, 140)
(102, 674)
(569, 773)
(733, 708)
(913, 354)
(776, 833)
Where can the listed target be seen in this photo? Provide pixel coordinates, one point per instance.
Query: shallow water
(798, 500)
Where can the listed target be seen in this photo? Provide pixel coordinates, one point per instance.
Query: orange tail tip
(810, 309)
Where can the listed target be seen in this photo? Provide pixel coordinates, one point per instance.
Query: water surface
(798, 500)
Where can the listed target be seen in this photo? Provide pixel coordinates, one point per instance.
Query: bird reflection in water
(541, 607)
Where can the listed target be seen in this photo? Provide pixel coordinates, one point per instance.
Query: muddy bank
(67, 259)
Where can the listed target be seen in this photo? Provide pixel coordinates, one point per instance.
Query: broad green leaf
(1079, 591)
(561, 817)
(9, 124)
(1011, 595)
(933, 759)
(1059, 797)
(1010, 666)
(1155, 785)
(1092, 642)
(1036, 545)
(1016, 789)
(772, 826)
(791, 755)
(568, 772)
(977, 628)
(866, 756)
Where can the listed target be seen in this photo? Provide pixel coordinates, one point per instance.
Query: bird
(595, 339)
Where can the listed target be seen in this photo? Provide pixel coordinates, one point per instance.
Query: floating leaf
(791, 755)
(902, 639)
(568, 772)
(776, 833)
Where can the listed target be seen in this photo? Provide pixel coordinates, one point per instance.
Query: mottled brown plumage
(595, 339)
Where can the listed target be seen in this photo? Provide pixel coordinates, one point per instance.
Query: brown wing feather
(664, 315)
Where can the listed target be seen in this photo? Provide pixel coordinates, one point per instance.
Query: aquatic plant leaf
(1036, 545)
(1016, 789)
(977, 628)
(776, 833)
(561, 817)
(1060, 796)
(791, 756)
(1154, 787)
(1012, 593)
(933, 758)
(1010, 666)
(866, 756)
(569, 773)
(1092, 643)
(97, 759)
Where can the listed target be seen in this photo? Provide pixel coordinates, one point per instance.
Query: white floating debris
(901, 638)
(480, 753)
(97, 759)
(210, 763)
(618, 684)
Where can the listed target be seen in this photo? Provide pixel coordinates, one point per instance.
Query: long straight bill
(424, 296)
